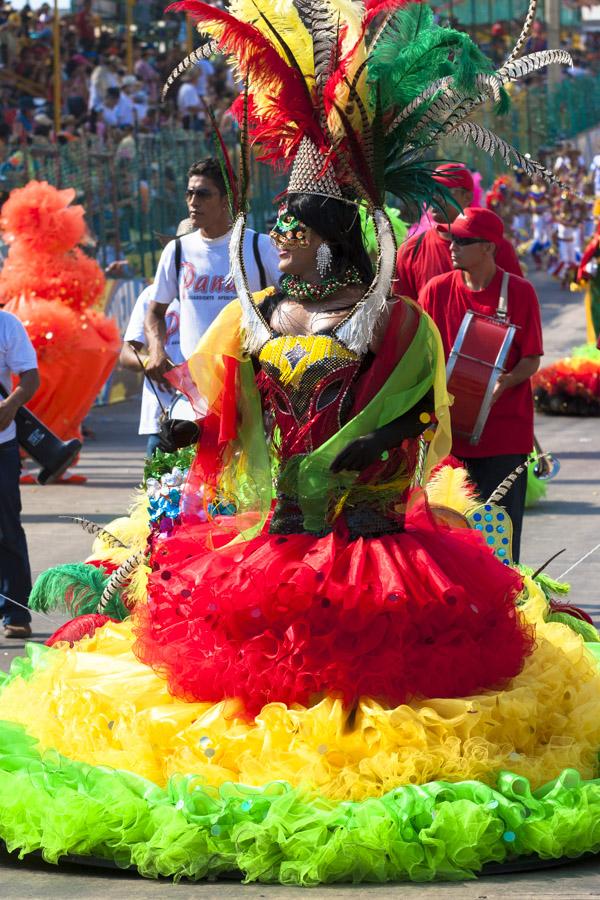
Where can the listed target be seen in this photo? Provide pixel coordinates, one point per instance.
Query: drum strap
(259, 263)
(177, 262)
(502, 310)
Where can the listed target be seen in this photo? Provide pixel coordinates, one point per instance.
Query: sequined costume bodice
(306, 385)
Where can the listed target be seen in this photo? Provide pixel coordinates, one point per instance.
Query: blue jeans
(152, 444)
(15, 574)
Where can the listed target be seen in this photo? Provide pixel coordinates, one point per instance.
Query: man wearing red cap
(475, 284)
(428, 254)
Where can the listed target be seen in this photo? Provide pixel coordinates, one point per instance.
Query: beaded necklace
(298, 289)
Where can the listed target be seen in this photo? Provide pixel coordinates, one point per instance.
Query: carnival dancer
(476, 284)
(426, 255)
(571, 386)
(310, 716)
(53, 287)
(588, 275)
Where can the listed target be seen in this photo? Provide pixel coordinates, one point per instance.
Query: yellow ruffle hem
(97, 703)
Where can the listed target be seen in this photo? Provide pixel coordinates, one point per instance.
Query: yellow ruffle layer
(96, 703)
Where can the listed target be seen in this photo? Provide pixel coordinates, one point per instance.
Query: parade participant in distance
(428, 254)
(202, 283)
(17, 357)
(475, 284)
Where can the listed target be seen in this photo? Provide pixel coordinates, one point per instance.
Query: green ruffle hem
(281, 834)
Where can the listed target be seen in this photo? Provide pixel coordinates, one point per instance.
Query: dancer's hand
(359, 454)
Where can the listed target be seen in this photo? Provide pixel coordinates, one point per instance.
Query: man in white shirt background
(194, 87)
(17, 358)
(203, 283)
(155, 398)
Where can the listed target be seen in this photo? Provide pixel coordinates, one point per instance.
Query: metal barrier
(136, 188)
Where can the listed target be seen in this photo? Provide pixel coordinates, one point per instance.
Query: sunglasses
(198, 193)
(466, 241)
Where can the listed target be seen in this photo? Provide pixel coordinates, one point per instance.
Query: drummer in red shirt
(474, 284)
(428, 254)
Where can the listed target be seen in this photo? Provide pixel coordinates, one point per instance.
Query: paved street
(569, 518)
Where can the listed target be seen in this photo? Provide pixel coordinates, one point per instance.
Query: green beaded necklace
(298, 289)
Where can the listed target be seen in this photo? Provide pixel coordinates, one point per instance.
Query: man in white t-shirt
(203, 283)
(154, 397)
(17, 358)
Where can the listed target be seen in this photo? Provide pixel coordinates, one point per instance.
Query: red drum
(476, 361)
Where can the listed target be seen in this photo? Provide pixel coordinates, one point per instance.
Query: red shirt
(509, 428)
(426, 255)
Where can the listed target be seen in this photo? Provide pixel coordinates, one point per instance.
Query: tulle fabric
(281, 834)
(427, 612)
(76, 354)
(98, 704)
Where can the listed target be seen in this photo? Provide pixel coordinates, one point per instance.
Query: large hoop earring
(324, 256)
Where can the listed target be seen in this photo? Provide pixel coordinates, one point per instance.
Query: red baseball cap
(476, 222)
(454, 175)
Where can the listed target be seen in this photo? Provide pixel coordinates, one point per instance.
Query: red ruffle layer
(428, 612)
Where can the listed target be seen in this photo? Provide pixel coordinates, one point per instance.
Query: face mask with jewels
(289, 232)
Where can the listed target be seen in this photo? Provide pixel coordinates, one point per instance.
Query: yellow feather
(137, 589)
(351, 14)
(451, 488)
(133, 531)
(283, 16)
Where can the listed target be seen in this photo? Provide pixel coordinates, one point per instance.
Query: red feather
(76, 629)
(289, 112)
(375, 8)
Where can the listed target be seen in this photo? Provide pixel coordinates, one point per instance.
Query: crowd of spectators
(108, 93)
(102, 97)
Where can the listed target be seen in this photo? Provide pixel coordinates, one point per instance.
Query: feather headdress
(353, 95)
(372, 85)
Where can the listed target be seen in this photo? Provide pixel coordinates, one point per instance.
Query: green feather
(587, 631)
(368, 229)
(414, 51)
(549, 586)
(411, 180)
(74, 587)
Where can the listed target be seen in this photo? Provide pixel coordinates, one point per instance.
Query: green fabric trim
(408, 383)
(37, 656)
(278, 833)
(586, 351)
(254, 485)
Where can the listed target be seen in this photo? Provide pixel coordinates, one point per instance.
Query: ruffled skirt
(427, 612)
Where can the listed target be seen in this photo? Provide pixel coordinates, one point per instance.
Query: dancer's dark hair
(338, 223)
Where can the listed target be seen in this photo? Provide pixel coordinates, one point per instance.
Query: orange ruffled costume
(52, 286)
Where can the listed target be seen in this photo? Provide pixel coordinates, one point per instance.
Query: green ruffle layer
(586, 351)
(281, 834)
